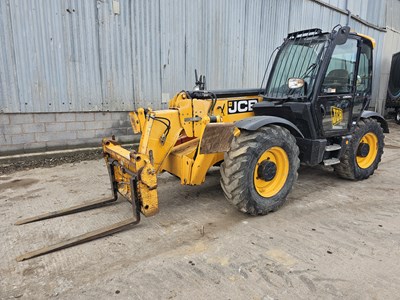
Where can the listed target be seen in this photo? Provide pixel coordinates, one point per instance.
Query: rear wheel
(364, 152)
(260, 169)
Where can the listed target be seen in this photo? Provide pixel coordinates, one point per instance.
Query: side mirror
(341, 35)
(295, 83)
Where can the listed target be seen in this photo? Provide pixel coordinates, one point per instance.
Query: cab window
(340, 73)
(364, 76)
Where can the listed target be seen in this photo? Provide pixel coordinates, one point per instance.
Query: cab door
(363, 81)
(336, 98)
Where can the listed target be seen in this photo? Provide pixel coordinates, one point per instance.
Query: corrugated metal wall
(72, 55)
(391, 45)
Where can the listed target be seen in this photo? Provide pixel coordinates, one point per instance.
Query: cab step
(331, 161)
(333, 147)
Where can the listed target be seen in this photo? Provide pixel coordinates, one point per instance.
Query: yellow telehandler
(312, 109)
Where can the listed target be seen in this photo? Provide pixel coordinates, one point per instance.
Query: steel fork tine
(66, 211)
(92, 235)
(86, 237)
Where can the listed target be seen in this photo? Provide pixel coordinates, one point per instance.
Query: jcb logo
(241, 106)
(336, 115)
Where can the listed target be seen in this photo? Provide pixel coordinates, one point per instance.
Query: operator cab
(319, 81)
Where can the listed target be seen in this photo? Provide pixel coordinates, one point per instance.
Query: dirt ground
(333, 239)
(49, 160)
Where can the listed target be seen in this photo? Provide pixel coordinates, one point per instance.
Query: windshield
(299, 58)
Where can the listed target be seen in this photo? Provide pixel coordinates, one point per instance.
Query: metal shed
(84, 58)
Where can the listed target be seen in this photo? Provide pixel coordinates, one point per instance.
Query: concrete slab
(333, 239)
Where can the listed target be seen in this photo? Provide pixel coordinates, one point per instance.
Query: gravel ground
(26, 163)
(334, 239)
(12, 164)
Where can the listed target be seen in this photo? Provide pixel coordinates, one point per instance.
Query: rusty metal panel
(217, 137)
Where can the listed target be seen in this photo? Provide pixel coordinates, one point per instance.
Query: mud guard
(256, 122)
(216, 138)
(381, 120)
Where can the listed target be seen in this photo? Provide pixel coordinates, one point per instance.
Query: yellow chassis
(186, 140)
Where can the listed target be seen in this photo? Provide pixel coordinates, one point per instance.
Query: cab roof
(318, 32)
(367, 37)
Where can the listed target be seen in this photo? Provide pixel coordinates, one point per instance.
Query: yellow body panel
(373, 42)
(171, 140)
(127, 164)
(202, 164)
(180, 160)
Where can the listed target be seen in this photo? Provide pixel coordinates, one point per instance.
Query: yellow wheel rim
(372, 141)
(272, 187)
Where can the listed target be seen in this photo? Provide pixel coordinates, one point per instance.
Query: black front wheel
(364, 151)
(260, 169)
